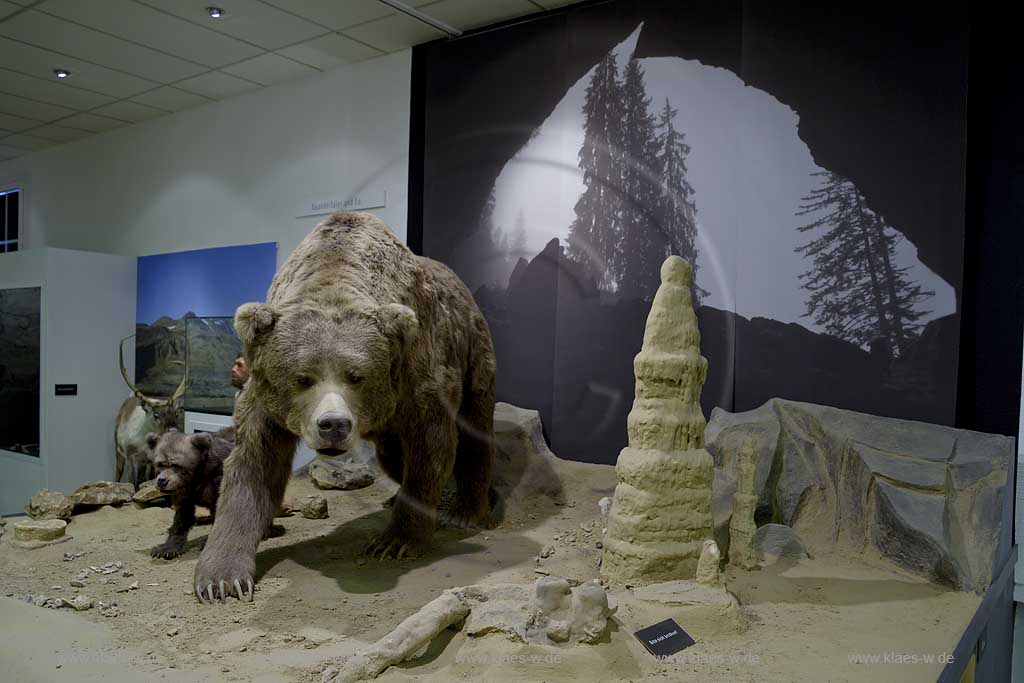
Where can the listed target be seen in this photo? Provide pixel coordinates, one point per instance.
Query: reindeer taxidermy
(141, 415)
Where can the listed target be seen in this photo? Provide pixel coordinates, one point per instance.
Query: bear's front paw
(216, 578)
(168, 550)
(393, 545)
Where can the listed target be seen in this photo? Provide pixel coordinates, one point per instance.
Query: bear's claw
(207, 597)
(384, 549)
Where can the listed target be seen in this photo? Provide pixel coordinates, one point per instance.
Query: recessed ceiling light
(215, 12)
(61, 73)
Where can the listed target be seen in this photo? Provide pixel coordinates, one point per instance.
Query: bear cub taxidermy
(189, 468)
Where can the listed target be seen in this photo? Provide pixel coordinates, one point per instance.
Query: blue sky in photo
(208, 282)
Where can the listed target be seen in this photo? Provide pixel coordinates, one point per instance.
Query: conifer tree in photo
(676, 209)
(644, 245)
(596, 231)
(856, 291)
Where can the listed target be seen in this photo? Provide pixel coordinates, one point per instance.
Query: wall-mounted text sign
(358, 202)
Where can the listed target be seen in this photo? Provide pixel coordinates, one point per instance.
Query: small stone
(243, 649)
(599, 545)
(329, 674)
(605, 506)
(126, 573)
(82, 603)
(149, 495)
(548, 551)
(314, 506)
(76, 583)
(542, 572)
(344, 476)
(172, 632)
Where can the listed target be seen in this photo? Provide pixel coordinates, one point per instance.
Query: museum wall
(230, 172)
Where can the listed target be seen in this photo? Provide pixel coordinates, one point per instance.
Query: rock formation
(932, 499)
(548, 612)
(661, 509)
(50, 505)
(102, 493)
(742, 525)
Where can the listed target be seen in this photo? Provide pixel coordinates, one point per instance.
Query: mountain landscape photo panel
(193, 295)
(814, 184)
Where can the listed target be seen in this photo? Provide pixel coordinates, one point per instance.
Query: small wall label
(664, 638)
(358, 202)
(65, 390)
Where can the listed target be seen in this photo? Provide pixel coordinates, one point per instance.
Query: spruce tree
(595, 233)
(517, 246)
(856, 291)
(644, 246)
(676, 209)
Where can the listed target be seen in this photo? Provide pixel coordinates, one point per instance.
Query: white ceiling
(135, 60)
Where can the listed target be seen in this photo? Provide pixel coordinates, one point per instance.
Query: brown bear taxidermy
(189, 468)
(359, 339)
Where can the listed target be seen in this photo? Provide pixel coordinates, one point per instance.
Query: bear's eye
(354, 377)
(304, 381)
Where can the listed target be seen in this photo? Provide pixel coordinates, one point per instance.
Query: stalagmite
(661, 509)
(741, 524)
(707, 566)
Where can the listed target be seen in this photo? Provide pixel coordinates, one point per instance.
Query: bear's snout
(161, 482)
(334, 428)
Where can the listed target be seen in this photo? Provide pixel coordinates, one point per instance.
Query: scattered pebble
(77, 583)
(542, 572)
(548, 551)
(172, 632)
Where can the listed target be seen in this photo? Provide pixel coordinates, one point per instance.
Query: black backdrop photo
(759, 140)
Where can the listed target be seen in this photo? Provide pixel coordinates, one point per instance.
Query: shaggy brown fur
(190, 468)
(359, 339)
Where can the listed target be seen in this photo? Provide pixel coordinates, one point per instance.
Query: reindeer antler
(124, 371)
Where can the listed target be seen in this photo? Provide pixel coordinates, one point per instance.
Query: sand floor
(319, 601)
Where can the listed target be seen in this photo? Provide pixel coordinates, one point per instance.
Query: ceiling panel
(50, 90)
(249, 20)
(130, 111)
(393, 33)
(336, 14)
(8, 8)
(217, 85)
(26, 142)
(45, 31)
(156, 29)
(35, 61)
(270, 68)
(30, 109)
(468, 14)
(58, 133)
(329, 51)
(92, 122)
(14, 123)
(170, 99)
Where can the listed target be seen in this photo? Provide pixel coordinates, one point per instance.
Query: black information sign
(65, 389)
(664, 638)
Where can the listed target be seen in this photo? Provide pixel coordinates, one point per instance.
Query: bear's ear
(202, 441)
(152, 439)
(398, 322)
(253, 320)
